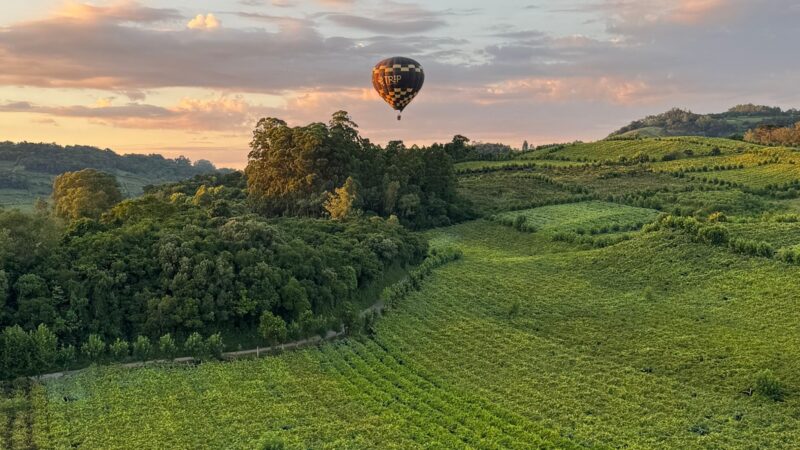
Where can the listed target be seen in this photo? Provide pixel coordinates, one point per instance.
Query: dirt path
(229, 356)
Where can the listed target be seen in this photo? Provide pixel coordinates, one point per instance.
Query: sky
(192, 77)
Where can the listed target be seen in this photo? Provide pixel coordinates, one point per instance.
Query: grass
(657, 341)
(776, 233)
(585, 217)
(475, 166)
(573, 349)
(655, 148)
(758, 177)
(501, 191)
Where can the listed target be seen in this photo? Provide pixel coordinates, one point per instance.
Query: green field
(514, 163)
(654, 148)
(758, 177)
(573, 349)
(584, 217)
(500, 191)
(658, 340)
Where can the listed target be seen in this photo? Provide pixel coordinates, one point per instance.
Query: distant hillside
(27, 169)
(733, 123)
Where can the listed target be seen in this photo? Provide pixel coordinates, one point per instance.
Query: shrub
(519, 222)
(120, 349)
(94, 347)
(167, 346)
(142, 348)
(715, 234)
(195, 346)
(768, 385)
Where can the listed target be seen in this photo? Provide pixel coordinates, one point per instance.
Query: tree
(525, 146)
(67, 355)
(142, 348)
(87, 193)
(290, 169)
(17, 352)
(195, 346)
(120, 350)
(340, 204)
(167, 346)
(94, 348)
(45, 346)
(214, 346)
(272, 328)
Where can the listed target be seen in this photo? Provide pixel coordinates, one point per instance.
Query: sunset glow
(193, 77)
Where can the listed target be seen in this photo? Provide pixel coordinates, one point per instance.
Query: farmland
(584, 217)
(758, 177)
(653, 148)
(574, 348)
(659, 339)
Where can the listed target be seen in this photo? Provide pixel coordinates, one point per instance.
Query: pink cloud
(216, 114)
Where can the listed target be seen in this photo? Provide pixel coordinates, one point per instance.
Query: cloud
(204, 22)
(215, 114)
(385, 26)
(121, 11)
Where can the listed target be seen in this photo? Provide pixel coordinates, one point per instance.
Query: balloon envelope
(398, 80)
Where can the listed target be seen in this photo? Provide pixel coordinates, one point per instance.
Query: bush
(768, 385)
(715, 234)
(519, 222)
(94, 348)
(120, 350)
(142, 348)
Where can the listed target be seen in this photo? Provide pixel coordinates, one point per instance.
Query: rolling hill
(27, 169)
(734, 122)
(566, 324)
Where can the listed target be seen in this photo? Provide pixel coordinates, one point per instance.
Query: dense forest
(283, 250)
(54, 159)
(732, 123)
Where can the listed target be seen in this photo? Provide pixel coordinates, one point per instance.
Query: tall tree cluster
(300, 170)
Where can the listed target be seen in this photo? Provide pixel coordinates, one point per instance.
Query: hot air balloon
(398, 80)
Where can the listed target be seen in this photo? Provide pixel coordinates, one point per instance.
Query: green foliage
(94, 348)
(27, 170)
(85, 194)
(272, 328)
(292, 170)
(581, 218)
(167, 346)
(142, 348)
(736, 121)
(214, 346)
(448, 364)
(768, 385)
(119, 349)
(195, 346)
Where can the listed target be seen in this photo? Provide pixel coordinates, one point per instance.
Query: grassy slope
(525, 342)
(607, 349)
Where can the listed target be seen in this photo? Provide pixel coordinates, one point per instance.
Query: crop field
(500, 191)
(758, 177)
(661, 340)
(584, 217)
(618, 181)
(572, 349)
(21, 406)
(513, 163)
(705, 202)
(778, 234)
(713, 163)
(654, 148)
